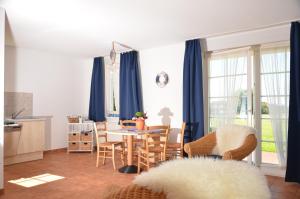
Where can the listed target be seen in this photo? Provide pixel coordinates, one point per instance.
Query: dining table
(130, 133)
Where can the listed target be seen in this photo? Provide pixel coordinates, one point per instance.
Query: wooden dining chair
(107, 149)
(175, 150)
(154, 149)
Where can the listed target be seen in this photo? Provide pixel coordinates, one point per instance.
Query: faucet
(14, 115)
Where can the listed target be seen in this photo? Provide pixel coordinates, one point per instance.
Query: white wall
(60, 85)
(2, 40)
(170, 60)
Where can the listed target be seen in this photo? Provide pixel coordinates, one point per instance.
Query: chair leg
(139, 161)
(104, 155)
(97, 162)
(113, 156)
(123, 155)
(180, 153)
(148, 162)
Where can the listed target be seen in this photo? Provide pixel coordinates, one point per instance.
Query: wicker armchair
(134, 192)
(204, 146)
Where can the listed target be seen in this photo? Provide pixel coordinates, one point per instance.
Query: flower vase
(140, 124)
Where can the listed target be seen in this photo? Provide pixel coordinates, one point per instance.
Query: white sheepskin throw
(231, 137)
(204, 178)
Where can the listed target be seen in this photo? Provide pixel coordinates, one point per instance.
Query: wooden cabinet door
(11, 142)
(32, 137)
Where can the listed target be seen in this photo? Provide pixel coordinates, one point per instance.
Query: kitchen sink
(8, 122)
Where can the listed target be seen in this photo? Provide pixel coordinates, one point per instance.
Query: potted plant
(140, 118)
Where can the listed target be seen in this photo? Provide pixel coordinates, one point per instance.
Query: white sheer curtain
(112, 85)
(227, 80)
(275, 92)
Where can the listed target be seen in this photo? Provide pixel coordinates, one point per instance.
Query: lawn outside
(266, 134)
(267, 131)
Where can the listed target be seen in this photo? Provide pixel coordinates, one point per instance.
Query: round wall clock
(162, 79)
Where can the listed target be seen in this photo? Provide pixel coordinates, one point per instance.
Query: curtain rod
(246, 29)
(245, 47)
(119, 52)
(123, 45)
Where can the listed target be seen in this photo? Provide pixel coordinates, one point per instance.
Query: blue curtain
(131, 100)
(193, 91)
(97, 95)
(293, 156)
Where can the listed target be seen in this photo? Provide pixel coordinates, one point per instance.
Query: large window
(112, 86)
(232, 90)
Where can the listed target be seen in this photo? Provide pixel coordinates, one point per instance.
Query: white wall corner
(2, 44)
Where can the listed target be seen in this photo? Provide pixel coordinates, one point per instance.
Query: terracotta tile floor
(83, 180)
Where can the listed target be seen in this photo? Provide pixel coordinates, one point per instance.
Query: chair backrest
(100, 129)
(157, 139)
(126, 124)
(182, 134)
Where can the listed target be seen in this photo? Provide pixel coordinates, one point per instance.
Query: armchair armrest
(202, 146)
(243, 151)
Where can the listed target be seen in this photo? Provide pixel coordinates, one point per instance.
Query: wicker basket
(132, 192)
(73, 119)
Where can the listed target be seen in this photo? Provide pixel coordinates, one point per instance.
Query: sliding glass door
(234, 87)
(229, 92)
(274, 104)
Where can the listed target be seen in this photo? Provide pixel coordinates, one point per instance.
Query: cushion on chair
(205, 178)
(231, 137)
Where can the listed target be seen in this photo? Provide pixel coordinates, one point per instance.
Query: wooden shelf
(80, 137)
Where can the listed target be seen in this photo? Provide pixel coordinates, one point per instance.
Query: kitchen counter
(31, 118)
(16, 123)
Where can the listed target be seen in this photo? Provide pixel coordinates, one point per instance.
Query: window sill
(113, 115)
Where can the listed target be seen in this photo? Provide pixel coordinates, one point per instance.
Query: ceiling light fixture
(113, 53)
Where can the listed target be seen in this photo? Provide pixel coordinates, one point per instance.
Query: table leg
(129, 149)
(130, 168)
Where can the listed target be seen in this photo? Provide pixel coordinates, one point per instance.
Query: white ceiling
(87, 27)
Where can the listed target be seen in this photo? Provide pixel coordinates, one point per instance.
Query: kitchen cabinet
(32, 137)
(11, 141)
(25, 143)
